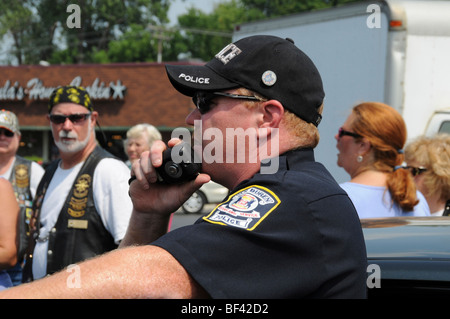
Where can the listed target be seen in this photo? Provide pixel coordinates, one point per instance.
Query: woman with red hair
(370, 145)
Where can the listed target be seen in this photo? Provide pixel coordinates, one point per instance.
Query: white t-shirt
(110, 185)
(376, 201)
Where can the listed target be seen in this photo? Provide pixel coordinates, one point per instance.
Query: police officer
(287, 230)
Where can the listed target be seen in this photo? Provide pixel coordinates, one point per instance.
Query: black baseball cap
(271, 66)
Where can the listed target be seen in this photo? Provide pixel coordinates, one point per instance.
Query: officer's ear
(273, 112)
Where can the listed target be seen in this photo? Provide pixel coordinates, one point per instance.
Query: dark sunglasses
(74, 118)
(6, 132)
(202, 100)
(415, 171)
(343, 132)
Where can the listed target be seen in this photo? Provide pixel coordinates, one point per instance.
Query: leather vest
(79, 232)
(20, 180)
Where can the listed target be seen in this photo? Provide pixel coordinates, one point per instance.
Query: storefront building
(123, 94)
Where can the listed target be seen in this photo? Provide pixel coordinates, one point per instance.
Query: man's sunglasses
(202, 100)
(74, 118)
(6, 132)
(343, 132)
(415, 171)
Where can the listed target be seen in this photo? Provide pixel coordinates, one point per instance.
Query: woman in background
(139, 139)
(428, 159)
(370, 145)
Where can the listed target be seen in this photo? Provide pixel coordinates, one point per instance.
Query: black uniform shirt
(291, 234)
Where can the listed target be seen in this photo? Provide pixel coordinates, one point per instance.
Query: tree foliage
(40, 32)
(131, 30)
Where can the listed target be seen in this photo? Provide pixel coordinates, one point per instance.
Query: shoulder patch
(245, 209)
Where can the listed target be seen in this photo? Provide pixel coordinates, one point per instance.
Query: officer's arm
(133, 272)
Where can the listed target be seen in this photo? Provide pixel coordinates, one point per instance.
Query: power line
(192, 30)
(151, 28)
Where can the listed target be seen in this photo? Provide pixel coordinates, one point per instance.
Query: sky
(179, 7)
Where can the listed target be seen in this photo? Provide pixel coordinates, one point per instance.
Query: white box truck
(396, 52)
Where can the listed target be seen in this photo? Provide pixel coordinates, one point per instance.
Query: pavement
(181, 219)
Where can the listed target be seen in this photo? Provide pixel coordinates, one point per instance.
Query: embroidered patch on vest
(245, 209)
(22, 176)
(78, 202)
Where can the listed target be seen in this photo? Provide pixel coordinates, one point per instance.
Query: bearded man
(82, 207)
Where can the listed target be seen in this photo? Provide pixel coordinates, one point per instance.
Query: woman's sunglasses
(6, 132)
(415, 171)
(343, 132)
(202, 100)
(74, 118)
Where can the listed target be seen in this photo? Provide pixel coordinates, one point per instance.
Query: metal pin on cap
(269, 78)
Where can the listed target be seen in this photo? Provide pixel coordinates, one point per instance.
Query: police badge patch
(245, 209)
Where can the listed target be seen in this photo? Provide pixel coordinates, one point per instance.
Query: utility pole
(159, 35)
(161, 31)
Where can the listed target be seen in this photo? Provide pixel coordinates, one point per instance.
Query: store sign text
(35, 90)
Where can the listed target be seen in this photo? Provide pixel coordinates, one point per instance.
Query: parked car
(411, 254)
(207, 194)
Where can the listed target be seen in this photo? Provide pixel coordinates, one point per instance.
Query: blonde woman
(428, 159)
(139, 139)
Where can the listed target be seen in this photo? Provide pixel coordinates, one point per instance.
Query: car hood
(407, 238)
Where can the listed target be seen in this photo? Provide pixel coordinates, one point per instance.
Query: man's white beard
(72, 146)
